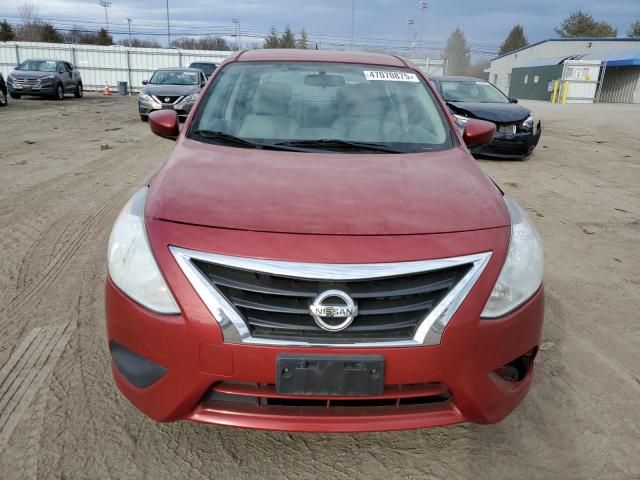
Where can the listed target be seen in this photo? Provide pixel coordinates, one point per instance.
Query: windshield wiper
(228, 138)
(331, 143)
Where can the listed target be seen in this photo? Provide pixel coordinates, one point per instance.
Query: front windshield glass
(174, 77)
(38, 66)
(207, 68)
(472, 91)
(279, 102)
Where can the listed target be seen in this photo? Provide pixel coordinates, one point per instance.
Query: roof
(182, 69)
(575, 39)
(299, 55)
(619, 58)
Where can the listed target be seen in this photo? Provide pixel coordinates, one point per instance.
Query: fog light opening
(517, 370)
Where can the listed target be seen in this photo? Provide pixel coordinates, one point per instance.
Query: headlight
(144, 97)
(528, 123)
(132, 266)
(521, 275)
(47, 78)
(460, 119)
(191, 98)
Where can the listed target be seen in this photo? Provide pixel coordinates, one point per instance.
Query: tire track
(25, 372)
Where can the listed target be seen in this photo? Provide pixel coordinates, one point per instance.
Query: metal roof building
(615, 53)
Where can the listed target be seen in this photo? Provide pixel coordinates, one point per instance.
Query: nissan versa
(322, 253)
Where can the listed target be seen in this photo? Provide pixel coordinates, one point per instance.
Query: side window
(69, 67)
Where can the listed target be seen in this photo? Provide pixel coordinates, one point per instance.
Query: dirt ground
(62, 417)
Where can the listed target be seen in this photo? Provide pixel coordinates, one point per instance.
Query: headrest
(272, 98)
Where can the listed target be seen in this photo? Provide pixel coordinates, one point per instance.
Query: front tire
(59, 95)
(78, 93)
(144, 118)
(3, 99)
(15, 96)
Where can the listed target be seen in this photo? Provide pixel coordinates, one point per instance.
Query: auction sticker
(386, 75)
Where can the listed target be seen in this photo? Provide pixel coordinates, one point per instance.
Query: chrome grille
(25, 81)
(266, 302)
(277, 307)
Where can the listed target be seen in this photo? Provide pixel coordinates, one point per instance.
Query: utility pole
(236, 22)
(422, 6)
(129, 21)
(168, 26)
(410, 23)
(353, 19)
(105, 4)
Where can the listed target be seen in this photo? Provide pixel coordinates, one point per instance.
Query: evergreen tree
(103, 38)
(634, 31)
(273, 39)
(456, 53)
(49, 34)
(514, 41)
(581, 24)
(288, 39)
(303, 40)
(6, 32)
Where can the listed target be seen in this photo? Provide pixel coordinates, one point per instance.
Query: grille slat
(277, 306)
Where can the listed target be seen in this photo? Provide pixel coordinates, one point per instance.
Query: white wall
(100, 65)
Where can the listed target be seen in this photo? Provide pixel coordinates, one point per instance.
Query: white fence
(105, 65)
(100, 66)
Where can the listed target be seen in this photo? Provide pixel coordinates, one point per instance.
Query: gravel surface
(66, 169)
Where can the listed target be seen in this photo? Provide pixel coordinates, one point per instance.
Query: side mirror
(513, 100)
(164, 123)
(478, 133)
(144, 82)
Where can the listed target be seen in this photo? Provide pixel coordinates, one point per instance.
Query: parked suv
(322, 253)
(47, 78)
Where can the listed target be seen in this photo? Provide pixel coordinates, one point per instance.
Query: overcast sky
(484, 22)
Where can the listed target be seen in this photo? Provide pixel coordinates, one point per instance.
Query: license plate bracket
(167, 107)
(331, 375)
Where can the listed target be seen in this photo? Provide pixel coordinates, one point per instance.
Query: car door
(63, 75)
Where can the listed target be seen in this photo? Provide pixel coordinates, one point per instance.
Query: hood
(494, 112)
(30, 74)
(171, 90)
(324, 193)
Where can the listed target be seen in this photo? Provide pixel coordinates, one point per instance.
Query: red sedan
(322, 253)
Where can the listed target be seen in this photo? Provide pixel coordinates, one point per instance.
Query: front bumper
(195, 359)
(145, 107)
(517, 146)
(45, 89)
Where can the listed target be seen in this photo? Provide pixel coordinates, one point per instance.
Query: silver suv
(45, 78)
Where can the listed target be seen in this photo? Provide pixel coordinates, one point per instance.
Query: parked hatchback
(517, 132)
(45, 78)
(322, 253)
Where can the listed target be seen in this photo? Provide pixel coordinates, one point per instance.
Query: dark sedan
(3, 92)
(517, 133)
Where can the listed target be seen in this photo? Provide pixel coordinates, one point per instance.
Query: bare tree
(30, 30)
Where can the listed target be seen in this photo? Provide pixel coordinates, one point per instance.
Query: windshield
(280, 102)
(207, 68)
(472, 91)
(38, 66)
(174, 77)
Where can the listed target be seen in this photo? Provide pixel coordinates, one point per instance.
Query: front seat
(269, 117)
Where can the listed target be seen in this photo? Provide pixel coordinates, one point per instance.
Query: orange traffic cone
(105, 91)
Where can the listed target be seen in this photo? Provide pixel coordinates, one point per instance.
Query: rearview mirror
(478, 133)
(144, 82)
(324, 80)
(513, 100)
(164, 123)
